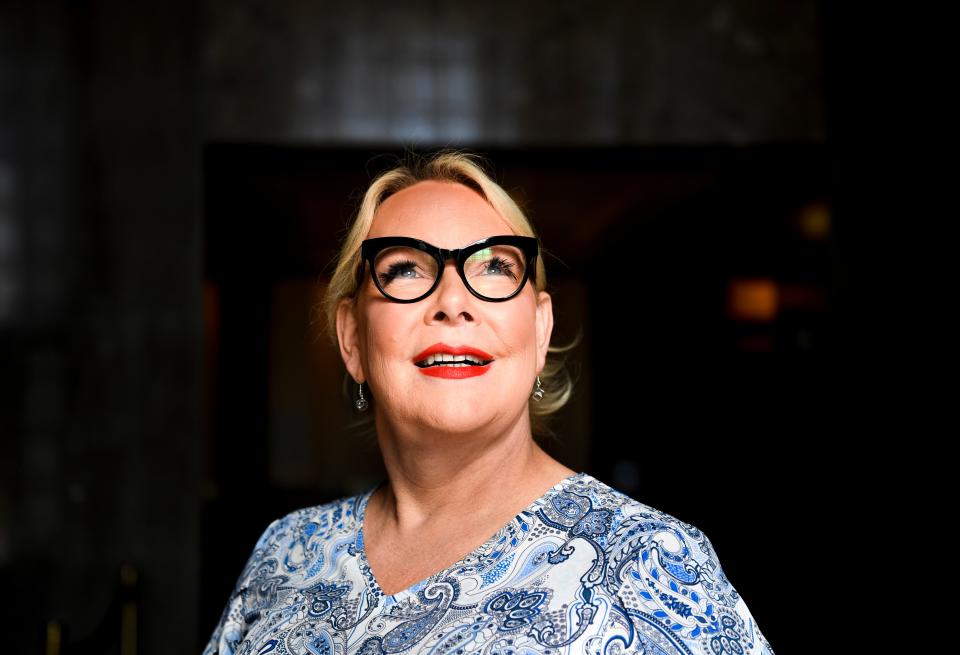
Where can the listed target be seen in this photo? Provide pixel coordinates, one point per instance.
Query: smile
(443, 361)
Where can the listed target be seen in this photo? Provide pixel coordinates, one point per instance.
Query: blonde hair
(446, 166)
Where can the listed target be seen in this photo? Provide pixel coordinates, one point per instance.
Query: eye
(501, 266)
(399, 269)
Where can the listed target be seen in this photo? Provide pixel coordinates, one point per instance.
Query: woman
(478, 540)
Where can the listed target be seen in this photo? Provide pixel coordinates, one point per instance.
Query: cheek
(388, 331)
(517, 330)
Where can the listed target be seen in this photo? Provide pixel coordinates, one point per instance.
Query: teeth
(445, 359)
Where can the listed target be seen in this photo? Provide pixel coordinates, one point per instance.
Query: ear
(348, 331)
(544, 327)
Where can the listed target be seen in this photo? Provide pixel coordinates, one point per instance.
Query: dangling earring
(361, 402)
(538, 393)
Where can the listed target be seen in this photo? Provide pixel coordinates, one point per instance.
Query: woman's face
(380, 339)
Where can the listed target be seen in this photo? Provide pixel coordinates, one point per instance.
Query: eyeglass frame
(370, 248)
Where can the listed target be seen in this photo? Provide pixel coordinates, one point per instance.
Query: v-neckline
(373, 586)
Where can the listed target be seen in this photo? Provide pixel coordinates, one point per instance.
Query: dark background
(173, 182)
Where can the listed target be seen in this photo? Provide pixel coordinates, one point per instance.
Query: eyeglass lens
(406, 273)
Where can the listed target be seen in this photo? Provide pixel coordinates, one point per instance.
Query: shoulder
(291, 545)
(615, 517)
(624, 526)
(287, 537)
(624, 517)
(661, 572)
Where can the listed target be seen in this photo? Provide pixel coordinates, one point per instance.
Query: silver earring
(538, 393)
(361, 402)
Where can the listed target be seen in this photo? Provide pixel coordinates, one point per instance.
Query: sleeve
(229, 631)
(740, 625)
(675, 597)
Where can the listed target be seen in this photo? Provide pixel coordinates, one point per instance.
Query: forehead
(446, 214)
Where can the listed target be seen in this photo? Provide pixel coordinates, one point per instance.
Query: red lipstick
(454, 372)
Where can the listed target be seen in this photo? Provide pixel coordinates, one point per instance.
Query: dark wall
(513, 73)
(100, 317)
(104, 111)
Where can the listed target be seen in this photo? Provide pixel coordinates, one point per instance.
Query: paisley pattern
(584, 569)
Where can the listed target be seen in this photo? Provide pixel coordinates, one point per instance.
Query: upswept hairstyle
(446, 166)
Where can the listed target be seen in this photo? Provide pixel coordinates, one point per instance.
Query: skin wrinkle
(446, 443)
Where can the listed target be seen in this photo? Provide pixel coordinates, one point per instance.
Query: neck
(434, 478)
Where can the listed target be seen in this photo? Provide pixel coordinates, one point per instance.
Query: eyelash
(503, 264)
(394, 269)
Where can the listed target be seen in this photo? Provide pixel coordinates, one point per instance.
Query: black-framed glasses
(406, 270)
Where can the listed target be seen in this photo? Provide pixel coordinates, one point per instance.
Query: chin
(459, 417)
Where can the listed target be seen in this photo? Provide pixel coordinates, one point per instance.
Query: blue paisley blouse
(583, 569)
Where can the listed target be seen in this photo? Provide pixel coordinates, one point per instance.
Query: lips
(457, 371)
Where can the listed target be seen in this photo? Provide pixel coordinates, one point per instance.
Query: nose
(452, 300)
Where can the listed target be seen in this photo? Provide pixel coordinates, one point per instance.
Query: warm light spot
(813, 221)
(752, 299)
(54, 634)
